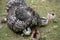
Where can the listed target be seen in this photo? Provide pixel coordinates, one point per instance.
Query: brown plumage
(35, 35)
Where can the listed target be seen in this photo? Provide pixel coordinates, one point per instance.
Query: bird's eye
(53, 14)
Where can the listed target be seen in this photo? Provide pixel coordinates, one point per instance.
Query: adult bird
(20, 16)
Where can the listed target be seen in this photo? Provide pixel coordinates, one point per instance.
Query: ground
(49, 32)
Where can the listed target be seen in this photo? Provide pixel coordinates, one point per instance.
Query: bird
(51, 16)
(46, 20)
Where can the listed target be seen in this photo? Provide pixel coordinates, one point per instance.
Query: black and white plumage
(27, 31)
(44, 21)
(20, 16)
(50, 17)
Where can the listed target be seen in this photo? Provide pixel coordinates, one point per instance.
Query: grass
(50, 32)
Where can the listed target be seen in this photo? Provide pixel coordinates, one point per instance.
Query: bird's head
(51, 16)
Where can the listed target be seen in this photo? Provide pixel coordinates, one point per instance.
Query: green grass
(50, 32)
